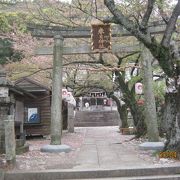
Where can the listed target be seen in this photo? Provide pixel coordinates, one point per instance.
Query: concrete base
(56, 148)
(159, 146)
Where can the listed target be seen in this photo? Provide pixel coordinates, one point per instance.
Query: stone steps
(95, 124)
(96, 118)
(167, 177)
(171, 172)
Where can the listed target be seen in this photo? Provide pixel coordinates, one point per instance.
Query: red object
(140, 102)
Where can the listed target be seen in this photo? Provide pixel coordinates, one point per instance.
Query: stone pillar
(2, 172)
(10, 142)
(4, 110)
(150, 106)
(3, 116)
(71, 117)
(56, 106)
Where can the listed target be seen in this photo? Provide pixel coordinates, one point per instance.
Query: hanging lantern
(138, 88)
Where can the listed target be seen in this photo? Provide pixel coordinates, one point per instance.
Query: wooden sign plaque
(101, 37)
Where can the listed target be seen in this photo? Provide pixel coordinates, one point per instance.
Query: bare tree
(166, 54)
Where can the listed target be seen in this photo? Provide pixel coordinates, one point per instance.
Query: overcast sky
(68, 1)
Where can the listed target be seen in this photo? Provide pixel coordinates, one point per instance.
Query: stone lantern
(7, 132)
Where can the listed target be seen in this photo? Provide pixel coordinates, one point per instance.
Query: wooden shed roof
(31, 85)
(4, 82)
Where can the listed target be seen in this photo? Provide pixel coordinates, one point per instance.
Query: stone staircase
(96, 118)
(162, 173)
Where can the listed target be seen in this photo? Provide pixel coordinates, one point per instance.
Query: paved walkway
(100, 152)
(106, 148)
(93, 148)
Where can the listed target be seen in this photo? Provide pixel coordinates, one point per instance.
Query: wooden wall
(42, 102)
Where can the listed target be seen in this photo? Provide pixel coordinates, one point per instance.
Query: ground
(99, 147)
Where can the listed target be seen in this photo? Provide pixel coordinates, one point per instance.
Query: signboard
(101, 37)
(33, 116)
(4, 92)
(138, 88)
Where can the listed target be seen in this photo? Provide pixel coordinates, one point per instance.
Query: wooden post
(56, 106)
(21, 129)
(10, 140)
(70, 118)
(150, 106)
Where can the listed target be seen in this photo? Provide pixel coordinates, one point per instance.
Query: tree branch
(162, 12)
(137, 60)
(147, 14)
(128, 24)
(37, 71)
(160, 51)
(96, 8)
(121, 58)
(171, 26)
(110, 20)
(86, 12)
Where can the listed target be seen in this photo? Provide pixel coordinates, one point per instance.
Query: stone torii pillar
(56, 103)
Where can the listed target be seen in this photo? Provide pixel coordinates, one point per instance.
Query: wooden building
(30, 103)
(96, 98)
(34, 111)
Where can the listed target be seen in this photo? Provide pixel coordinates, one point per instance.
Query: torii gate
(59, 33)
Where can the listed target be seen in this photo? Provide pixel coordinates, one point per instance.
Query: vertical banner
(101, 37)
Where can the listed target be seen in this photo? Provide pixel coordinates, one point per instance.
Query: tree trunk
(139, 119)
(130, 101)
(172, 117)
(162, 122)
(64, 115)
(172, 114)
(122, 110)
(124, 115)
(150, 105)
